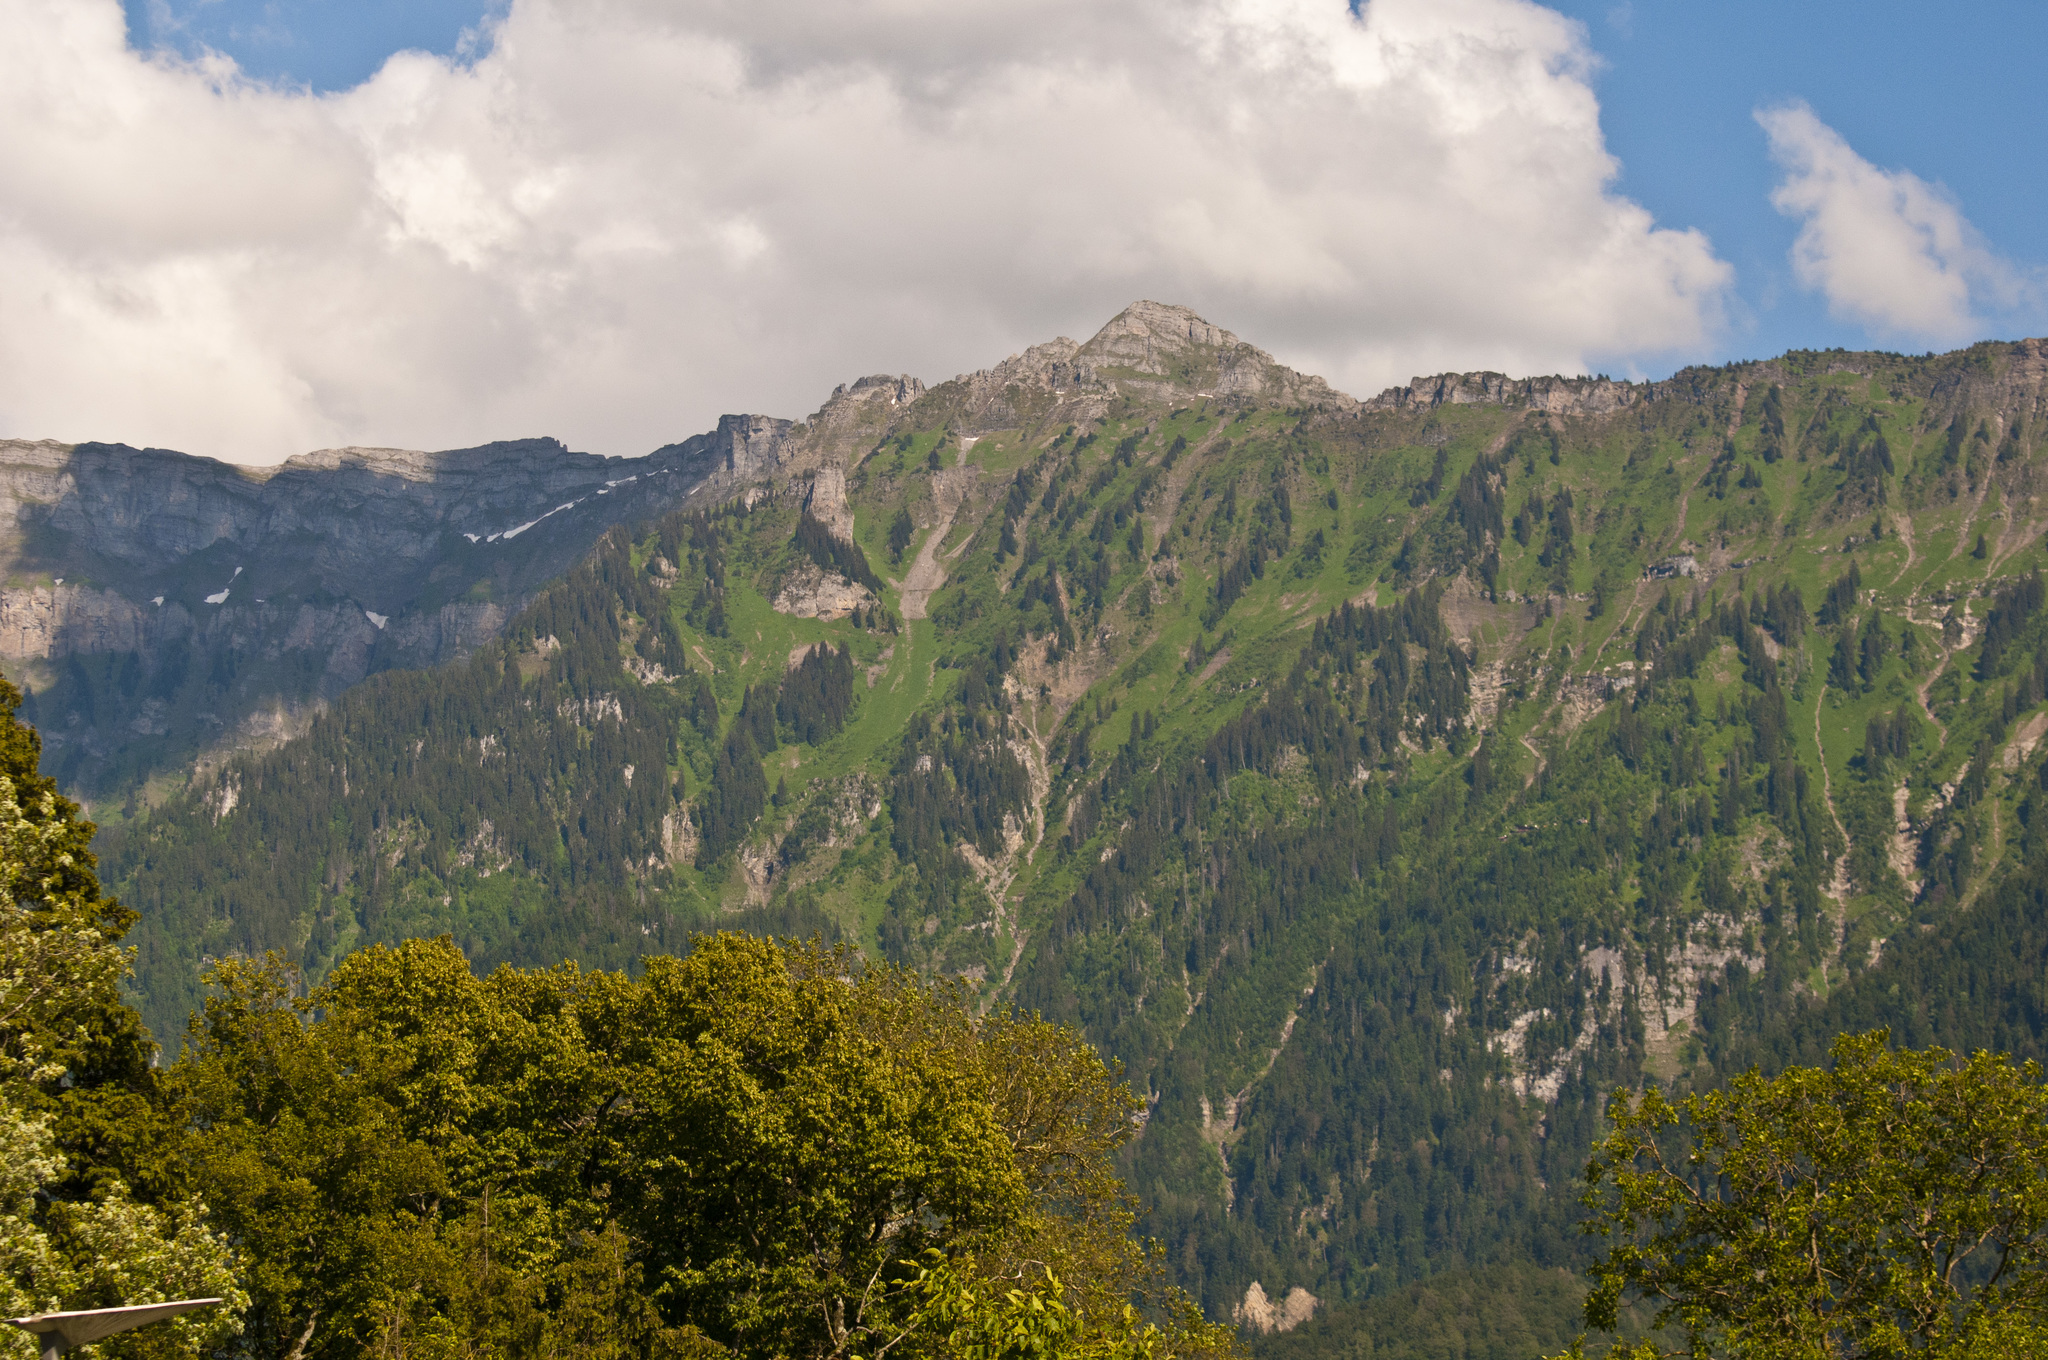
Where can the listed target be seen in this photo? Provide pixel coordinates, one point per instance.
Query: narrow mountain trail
(1991, 861)
(1741, 401)
(1963, 540)
(1532, 748)
(1631, 617)
(1678, 524)
(1926, 686)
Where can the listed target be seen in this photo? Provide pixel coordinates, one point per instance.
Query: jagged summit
(1159, 349)
(1161, 341)
(1161, 327)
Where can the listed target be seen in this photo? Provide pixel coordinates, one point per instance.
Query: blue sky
(428, 223)
(327, 44)
(1953, 94)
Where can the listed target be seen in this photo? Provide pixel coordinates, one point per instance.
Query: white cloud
(1887, 249)
(628, 216)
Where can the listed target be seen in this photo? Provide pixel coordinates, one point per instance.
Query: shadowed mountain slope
(161, 606)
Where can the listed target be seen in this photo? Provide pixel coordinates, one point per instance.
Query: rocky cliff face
(158, 605)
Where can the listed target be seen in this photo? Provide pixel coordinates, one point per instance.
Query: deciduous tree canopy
(1893, 1203)
(760, 1147)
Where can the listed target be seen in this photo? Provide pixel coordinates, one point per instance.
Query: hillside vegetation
(1381, 783)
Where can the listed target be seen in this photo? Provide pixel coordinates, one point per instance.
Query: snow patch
(222, 597)
(471, 537)
(511, 534)
(157, 600)
(379, 619)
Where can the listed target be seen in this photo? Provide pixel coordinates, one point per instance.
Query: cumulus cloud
(1887, 249)
(627, 216)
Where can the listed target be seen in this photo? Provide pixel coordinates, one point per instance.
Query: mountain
(1381, 782)
(159, 606)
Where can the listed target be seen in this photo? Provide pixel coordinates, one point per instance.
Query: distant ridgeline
(1381, 783)
(163, 609)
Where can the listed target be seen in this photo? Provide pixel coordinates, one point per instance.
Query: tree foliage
(1892, 1204)
(761, 1141)
(77, 1109)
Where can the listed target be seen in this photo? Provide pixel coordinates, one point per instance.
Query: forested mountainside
(1380, 782)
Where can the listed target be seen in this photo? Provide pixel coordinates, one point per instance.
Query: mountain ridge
(1380, 782)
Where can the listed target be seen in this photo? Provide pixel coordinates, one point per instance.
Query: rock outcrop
(809, 592)
(1264, 1316)
(1161, 352)
(1557, 395)
(1149, 350)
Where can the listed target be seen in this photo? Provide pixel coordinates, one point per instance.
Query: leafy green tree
(104, 1251)
(1027, 1315)
(747, 1148)
(75, 1092)
(1892, 1204)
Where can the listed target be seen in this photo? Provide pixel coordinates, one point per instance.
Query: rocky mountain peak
(853, 408)
(985, 397)
(1159, 350)
(1145, 333)
(898, 389)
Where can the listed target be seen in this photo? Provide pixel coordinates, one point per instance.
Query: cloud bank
(1887, 249)
(628, 216)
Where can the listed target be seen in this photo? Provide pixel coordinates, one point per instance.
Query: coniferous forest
(1376, 787)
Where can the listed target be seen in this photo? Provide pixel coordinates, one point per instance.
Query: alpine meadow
(1131, 851)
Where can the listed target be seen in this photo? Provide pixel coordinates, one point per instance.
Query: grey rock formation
(1557, 395)
(826, 501)
(1158, 350)
(158, 605)
(811, 593)
(1150, 350)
